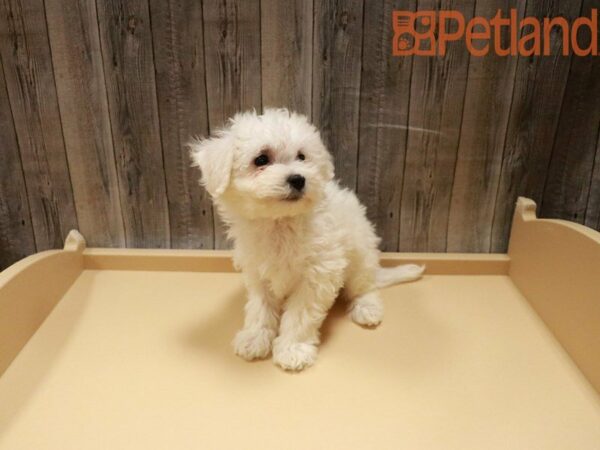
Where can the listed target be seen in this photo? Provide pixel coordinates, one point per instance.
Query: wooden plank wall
(98, 99)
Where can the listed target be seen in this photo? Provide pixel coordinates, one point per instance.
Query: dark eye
(301, 156)
(261, 160)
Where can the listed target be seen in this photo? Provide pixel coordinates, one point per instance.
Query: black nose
(296, 181)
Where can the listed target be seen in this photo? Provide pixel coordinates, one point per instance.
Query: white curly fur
(295, 254)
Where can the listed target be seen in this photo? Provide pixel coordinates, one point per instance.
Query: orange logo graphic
(427, 33)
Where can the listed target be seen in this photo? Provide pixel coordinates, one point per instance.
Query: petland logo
(428, 33)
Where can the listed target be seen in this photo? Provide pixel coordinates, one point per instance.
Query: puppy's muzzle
(297, 183)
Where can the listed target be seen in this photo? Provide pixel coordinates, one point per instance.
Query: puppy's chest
(279, 258)
(280, 276)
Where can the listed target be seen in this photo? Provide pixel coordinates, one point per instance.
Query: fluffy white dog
(299, 237)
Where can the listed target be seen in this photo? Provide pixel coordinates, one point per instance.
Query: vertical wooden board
(177, 32)
(337, 52)
(232, 53)
(126, 43)
(592, 214)
(569, 176)
(16, 232)
(436, 106)
(286, 54)
(537, 97)
(233, 66)
(27, 66)
(383, 125)
(485, 119)
(77, 61)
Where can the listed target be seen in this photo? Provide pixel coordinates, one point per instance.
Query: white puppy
(299, 237)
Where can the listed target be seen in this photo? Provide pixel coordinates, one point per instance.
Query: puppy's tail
(388, 276)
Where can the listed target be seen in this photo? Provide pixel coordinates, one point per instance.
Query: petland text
(415, 34)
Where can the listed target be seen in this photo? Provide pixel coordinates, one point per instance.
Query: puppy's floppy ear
(214, 156)
(329, 168)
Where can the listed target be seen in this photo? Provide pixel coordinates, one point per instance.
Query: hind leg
(366, 307)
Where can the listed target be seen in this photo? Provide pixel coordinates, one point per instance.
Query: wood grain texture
(337, 52)
(177, 32)
(286, 54)
(77, 61)
(435, 114)
(569, 175)
(488, 99)
(16, 232)
(27, 64)
(592, 216)
(99, 99)
(383, 126)
(126, 43)
(233, 67)
(538, 93)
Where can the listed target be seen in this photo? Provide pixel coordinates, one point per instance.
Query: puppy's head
(265, 166)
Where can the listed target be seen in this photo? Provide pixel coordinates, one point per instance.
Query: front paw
(294, 356)
(253, 343)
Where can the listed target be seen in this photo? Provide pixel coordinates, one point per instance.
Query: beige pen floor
(142, 360)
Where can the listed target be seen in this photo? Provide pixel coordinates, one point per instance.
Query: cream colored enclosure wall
(124, 348)
(554, 264)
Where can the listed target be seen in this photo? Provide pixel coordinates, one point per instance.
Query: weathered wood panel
(233, 58)
(233, 66)
(337, 52)
(485, 118)
(286, 54)
(16, 232)
(538, 92)
(435, 114)
(126, 43)
(437, 148)
(592, 216)
(77, 61)
(177, 32)
(383, 127)
(569, 175)
(27, 66)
